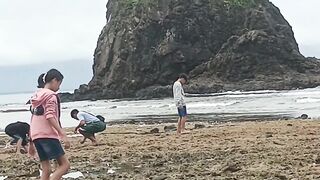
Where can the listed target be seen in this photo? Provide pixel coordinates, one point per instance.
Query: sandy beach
(285, 149)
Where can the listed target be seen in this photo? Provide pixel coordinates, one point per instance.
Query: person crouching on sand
(19, 131)
(89, 125)
(45, 128)
(178, 95)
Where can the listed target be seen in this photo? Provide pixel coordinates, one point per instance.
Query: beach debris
(199, 126)
(289, 124)
(170, 128)
(154, 131)
(304, 116)
(111, 171)
(3, 177)
(73, 175)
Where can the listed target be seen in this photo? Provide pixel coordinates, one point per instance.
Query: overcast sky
(38, 31)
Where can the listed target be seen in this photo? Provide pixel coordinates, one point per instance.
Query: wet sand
(286, 149)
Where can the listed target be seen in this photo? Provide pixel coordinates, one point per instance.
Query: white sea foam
(197, 105)
(308, 100)
(295, 102)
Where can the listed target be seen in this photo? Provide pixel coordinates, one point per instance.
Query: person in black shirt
(19, 131)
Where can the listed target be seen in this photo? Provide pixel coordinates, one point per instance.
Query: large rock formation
(221, 44)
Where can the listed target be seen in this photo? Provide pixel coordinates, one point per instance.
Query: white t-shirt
(178, 94)
(87, 117)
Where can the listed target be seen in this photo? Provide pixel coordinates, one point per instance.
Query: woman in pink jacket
(45, 129)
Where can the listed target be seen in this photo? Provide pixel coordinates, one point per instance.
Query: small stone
(169, 128)
(317, 160)
(304, 116)
(199, 126)
(155, 131)
(289, 124)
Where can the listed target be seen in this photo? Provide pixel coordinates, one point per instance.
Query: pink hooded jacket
(40, 126)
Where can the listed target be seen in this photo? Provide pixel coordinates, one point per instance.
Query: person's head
(53, 79)
(183, 78)
(40, 81)
(74, 113)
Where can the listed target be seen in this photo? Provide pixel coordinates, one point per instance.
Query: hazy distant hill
(24, 78)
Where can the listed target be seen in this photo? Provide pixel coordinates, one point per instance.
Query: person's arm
(60, 131)
(82, 122)
(50, 115)
(180, 96)
(32, 150)
(19, 144)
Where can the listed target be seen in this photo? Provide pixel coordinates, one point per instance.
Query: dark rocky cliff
(221, 44)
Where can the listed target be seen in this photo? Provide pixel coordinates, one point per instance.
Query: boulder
(220, 44)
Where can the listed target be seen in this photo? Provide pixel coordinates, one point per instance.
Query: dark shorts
(182, 111)
(16, 138)
(48, 149)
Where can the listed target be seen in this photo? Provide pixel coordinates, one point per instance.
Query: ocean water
(263, 103)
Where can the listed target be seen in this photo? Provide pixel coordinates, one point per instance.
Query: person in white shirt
(178, 96)
(88, 126)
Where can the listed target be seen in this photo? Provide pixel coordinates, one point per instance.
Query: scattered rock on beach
(113, 107)
(154, 131)
(304, 116)
(199, 126)
(170, 128)
(317, 160)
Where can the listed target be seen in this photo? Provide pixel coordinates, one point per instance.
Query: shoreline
(279, 149)
(210, 118)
